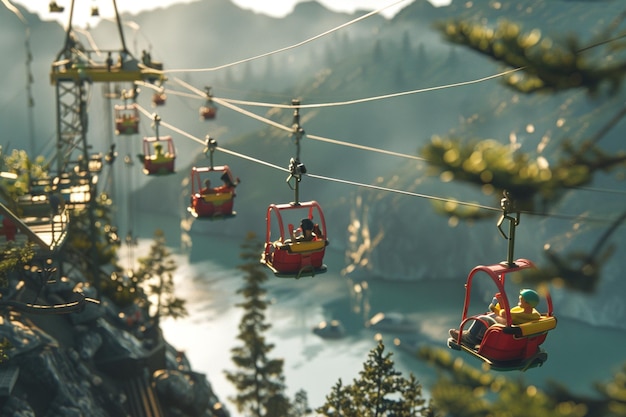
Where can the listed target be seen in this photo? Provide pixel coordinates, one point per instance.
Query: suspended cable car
(508, 346)
(126, 119)
(159, 155)
(504, 345)
(208, 111)
(209, 201)
(158, 98)
(291, 252)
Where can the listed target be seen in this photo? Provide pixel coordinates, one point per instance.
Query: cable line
(376, 98)
(182, 132)
(371, 186)
(201, 141)
(365, 148)
(314, 137)
(228, 103)
(287, 48)
(599, 190)
(15, 11)
(253, 115)
(410, 193)
(249, 158)
(459, 202)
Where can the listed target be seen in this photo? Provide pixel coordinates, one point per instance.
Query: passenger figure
(159, 155)
(228, 185)
(523, 312)
(307, 234)
(207, 189)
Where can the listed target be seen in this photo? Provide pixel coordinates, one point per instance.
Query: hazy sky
(276, 8)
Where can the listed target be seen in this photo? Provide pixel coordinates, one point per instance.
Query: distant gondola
(159, 98)
(209, 201)
(159, 155)
(126, 119)
(208, 111)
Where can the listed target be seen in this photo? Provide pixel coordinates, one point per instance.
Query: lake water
(207, 278)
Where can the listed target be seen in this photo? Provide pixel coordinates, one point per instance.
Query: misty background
(384, 235)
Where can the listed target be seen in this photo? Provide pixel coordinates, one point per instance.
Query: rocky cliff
(94, 359)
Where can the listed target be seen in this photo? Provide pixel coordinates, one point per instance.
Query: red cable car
(293, 259)
(209, 201)
(208, 111)
(126, 119)
(158, 99)
(158, 155)
(506, 347)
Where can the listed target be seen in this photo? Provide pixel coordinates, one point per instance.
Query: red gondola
(126, 119)
(209, 201)
(293, 259)
(506, 347)
(159, 155)
(208, 111)
(158, 99)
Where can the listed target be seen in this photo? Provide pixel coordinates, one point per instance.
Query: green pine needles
(380, 391)
(259, 379)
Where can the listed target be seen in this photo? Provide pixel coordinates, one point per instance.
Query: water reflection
(208, 278)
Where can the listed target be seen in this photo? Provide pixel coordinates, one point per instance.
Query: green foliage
(495, 167)
(155, 273)
(259, 380)
(92, 239)
(575, 270)
(300, 406)
(532, 179)
(460, 211)
(614, 393)
(543, 65)
(5, 345)
(547, 65)
(13, 258)
(380, 391)
(25, 170)
(123, 290)
(464, 391)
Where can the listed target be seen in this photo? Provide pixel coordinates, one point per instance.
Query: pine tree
(13, 257)
(537, 179)
(156, 273)
(464, 391)
(542, 65)
(300, 406)
(337, 402)
(614, 393)
(380, 391)
(259, 379)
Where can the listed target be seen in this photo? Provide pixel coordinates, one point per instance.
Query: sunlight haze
(275, 8)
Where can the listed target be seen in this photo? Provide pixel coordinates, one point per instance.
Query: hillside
(374, 57)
